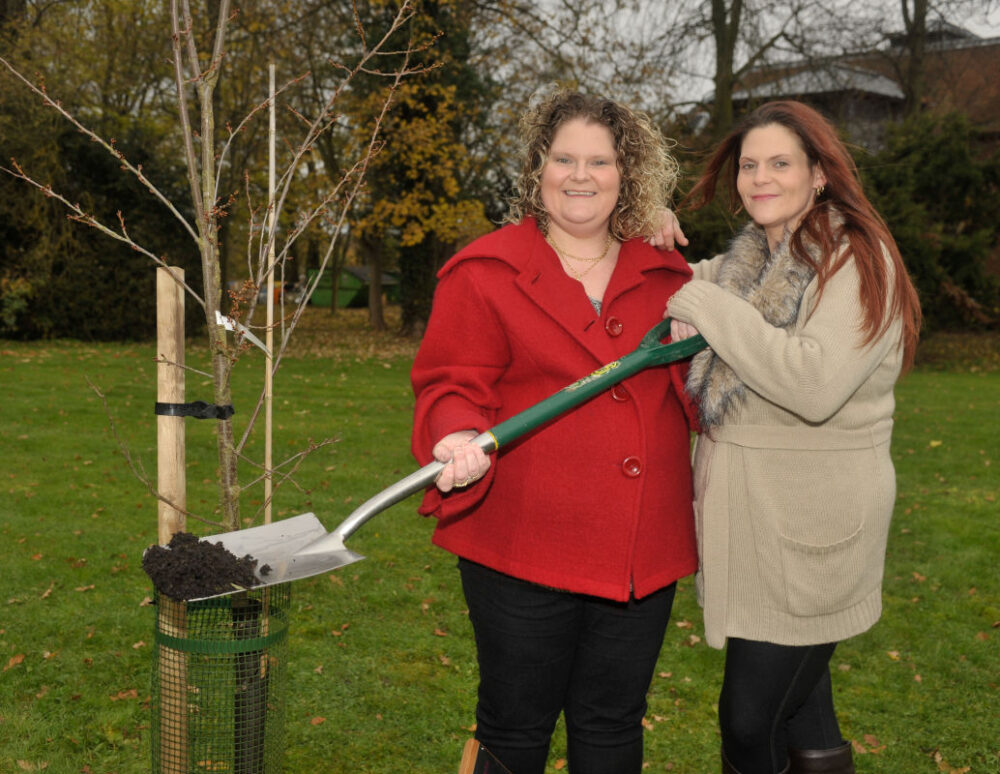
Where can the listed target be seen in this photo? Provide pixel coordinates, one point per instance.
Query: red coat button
(620, 394)
(632, 467)
(613, 326)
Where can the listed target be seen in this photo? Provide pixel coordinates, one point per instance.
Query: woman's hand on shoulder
(466, 462)
(669, 232)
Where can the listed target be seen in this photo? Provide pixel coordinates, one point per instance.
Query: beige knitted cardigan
(794, 489)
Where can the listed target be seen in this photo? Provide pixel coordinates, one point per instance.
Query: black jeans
(543, 651)
(775, 698)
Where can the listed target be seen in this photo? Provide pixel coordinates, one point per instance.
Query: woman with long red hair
(810, 318)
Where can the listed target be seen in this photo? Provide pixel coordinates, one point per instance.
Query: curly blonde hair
(648, 171)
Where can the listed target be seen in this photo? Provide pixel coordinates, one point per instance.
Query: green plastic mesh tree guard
(219, 683)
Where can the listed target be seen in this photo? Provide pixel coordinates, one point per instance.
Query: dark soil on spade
(189, 568)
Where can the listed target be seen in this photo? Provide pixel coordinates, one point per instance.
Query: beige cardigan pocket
(812, 511)
(824, 579)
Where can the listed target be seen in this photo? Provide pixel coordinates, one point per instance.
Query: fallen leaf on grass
(129, 694)
(84, 588)
(343, 628)
(560, 764)
(14, 661)
(317, 721)
(893, 654)
(946, 767)
(440, 633)
(647, 724)
(874, 746)
(29, 766)
(137, 645)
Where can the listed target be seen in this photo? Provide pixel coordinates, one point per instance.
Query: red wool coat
(597, 501)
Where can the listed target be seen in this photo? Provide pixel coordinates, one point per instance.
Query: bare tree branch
(108, 146)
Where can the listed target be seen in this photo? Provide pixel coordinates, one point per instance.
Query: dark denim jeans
(543, 651)
(775, 698)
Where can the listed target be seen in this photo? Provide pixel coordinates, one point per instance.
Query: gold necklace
(564, 256)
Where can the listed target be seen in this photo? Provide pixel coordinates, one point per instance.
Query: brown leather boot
(839, 760)
(728, 768)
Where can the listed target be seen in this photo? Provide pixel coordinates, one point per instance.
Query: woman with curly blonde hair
(648, 171)
(571, 540)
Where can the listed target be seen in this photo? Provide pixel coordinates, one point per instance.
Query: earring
(819, 190)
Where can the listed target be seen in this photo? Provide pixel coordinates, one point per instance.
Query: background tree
(198, 58)
(52, 271)
(945, 231)
(426, 191)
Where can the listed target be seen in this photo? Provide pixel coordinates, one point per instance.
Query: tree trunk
(418, 266)
(373, 259)
(336, 267)
(916, 43)
(223, 242)
(725, 28)
(229, 489)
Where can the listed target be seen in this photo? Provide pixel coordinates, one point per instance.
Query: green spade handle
(651, 351)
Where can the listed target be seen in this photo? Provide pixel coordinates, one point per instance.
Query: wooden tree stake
(172, 486)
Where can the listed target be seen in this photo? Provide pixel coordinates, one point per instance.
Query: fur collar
(773, 283)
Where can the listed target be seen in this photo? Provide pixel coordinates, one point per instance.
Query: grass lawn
(382, 675)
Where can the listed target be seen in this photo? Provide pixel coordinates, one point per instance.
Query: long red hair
(886, 292)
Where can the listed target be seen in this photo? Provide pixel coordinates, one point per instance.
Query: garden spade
(300, 547)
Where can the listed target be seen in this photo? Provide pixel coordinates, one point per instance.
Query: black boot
(839, 760)
(728, 768)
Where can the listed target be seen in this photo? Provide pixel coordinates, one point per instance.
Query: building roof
(961, 74)
(837, 78)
